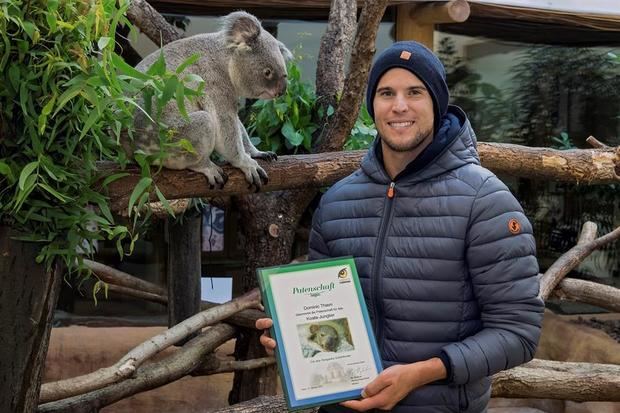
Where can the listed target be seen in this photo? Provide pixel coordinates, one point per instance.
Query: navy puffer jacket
(447, 264)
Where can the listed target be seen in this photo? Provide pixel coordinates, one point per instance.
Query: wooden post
(184, 268)
(28, 296)
(417, 21)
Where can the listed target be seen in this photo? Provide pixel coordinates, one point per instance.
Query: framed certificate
(326, 350)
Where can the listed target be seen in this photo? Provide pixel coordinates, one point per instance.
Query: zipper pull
(390, 192)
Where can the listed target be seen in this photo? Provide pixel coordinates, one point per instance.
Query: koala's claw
(268, 156)
(215, 175)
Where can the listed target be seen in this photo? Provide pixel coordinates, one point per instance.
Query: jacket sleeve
(500, 252)
(317, 249)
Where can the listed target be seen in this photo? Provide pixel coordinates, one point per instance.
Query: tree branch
(215, 366)
(544, 379)
(335, 134)
(151, 23)
(153, 375)
(323, 169)
(113, 276)
(335, 47)
(572, 258)
(127, 365)
(537, 379)
(588, 292)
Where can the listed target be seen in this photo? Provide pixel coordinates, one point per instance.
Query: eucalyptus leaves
(65, 99)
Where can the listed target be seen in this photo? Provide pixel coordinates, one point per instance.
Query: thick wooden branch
(335, 47)
(335, 134)
(572, 258)
(113, 276)
(143, 295)
(588, 292)
(262, 404)
(127, 365)
(126, 284)
(544, 379)
(151, 23)
(156, 374)
(601, 166)
(541, 379)
(213, 365)
(582, 166)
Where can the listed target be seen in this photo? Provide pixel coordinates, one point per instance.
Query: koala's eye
(267, 72)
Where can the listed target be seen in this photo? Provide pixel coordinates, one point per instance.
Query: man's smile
(401, 124)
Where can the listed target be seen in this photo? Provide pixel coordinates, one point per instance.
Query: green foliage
(65, 100)
(488, 110)
(286, 124)
(550, 98)
(563, 142)
(363, 132)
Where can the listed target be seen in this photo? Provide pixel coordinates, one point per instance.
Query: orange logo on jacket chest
(514, 226)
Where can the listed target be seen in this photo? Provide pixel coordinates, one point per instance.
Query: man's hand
(267, 342)
(396, 382)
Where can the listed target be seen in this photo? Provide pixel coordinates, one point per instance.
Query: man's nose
(400, 104)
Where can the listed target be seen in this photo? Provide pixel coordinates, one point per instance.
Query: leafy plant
(285, 124)
(564, 142)
(549, 98)
(363, 132)
(490, 113)
(66, 99)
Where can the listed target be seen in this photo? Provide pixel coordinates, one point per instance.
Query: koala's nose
(282, 85)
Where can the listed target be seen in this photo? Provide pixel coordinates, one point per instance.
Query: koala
(325, 336)
(240, 60)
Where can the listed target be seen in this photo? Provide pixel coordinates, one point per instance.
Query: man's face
(403, 111)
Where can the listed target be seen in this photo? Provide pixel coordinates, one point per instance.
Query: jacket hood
(458, 151)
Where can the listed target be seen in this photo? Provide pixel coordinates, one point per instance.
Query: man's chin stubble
(419, 140)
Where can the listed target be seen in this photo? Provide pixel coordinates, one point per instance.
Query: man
(445, 255)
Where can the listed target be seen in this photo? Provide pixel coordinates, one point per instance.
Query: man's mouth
(401, 124)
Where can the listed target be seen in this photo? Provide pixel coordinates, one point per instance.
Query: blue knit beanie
(420, 61)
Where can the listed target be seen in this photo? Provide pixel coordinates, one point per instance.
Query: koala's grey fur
(240, 60)
(325, 336)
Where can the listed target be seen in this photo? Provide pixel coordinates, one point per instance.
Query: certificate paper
(326, 349)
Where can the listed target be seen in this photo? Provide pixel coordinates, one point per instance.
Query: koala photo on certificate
(326, 348)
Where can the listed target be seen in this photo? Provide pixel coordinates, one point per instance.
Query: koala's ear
(313, 328)
(241, 30)
(285, 52)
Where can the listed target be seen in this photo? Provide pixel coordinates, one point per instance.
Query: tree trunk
(184, 268)
(269, 228)
(28, 296)
(335, 47)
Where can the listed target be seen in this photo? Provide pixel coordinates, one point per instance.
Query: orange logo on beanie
(405, 55)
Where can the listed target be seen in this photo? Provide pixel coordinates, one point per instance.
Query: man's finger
(374, 387)
(267, 341)
(264, 323)
(360, 405)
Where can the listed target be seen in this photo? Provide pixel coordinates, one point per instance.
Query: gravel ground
(611, 327)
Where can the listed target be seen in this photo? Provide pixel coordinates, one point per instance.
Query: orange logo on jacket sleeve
(514, 226)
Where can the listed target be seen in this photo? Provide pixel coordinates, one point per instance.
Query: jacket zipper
(376, 278)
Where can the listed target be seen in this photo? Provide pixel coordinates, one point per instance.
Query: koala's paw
(215, 175)
(256, 177)
(268, 156)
